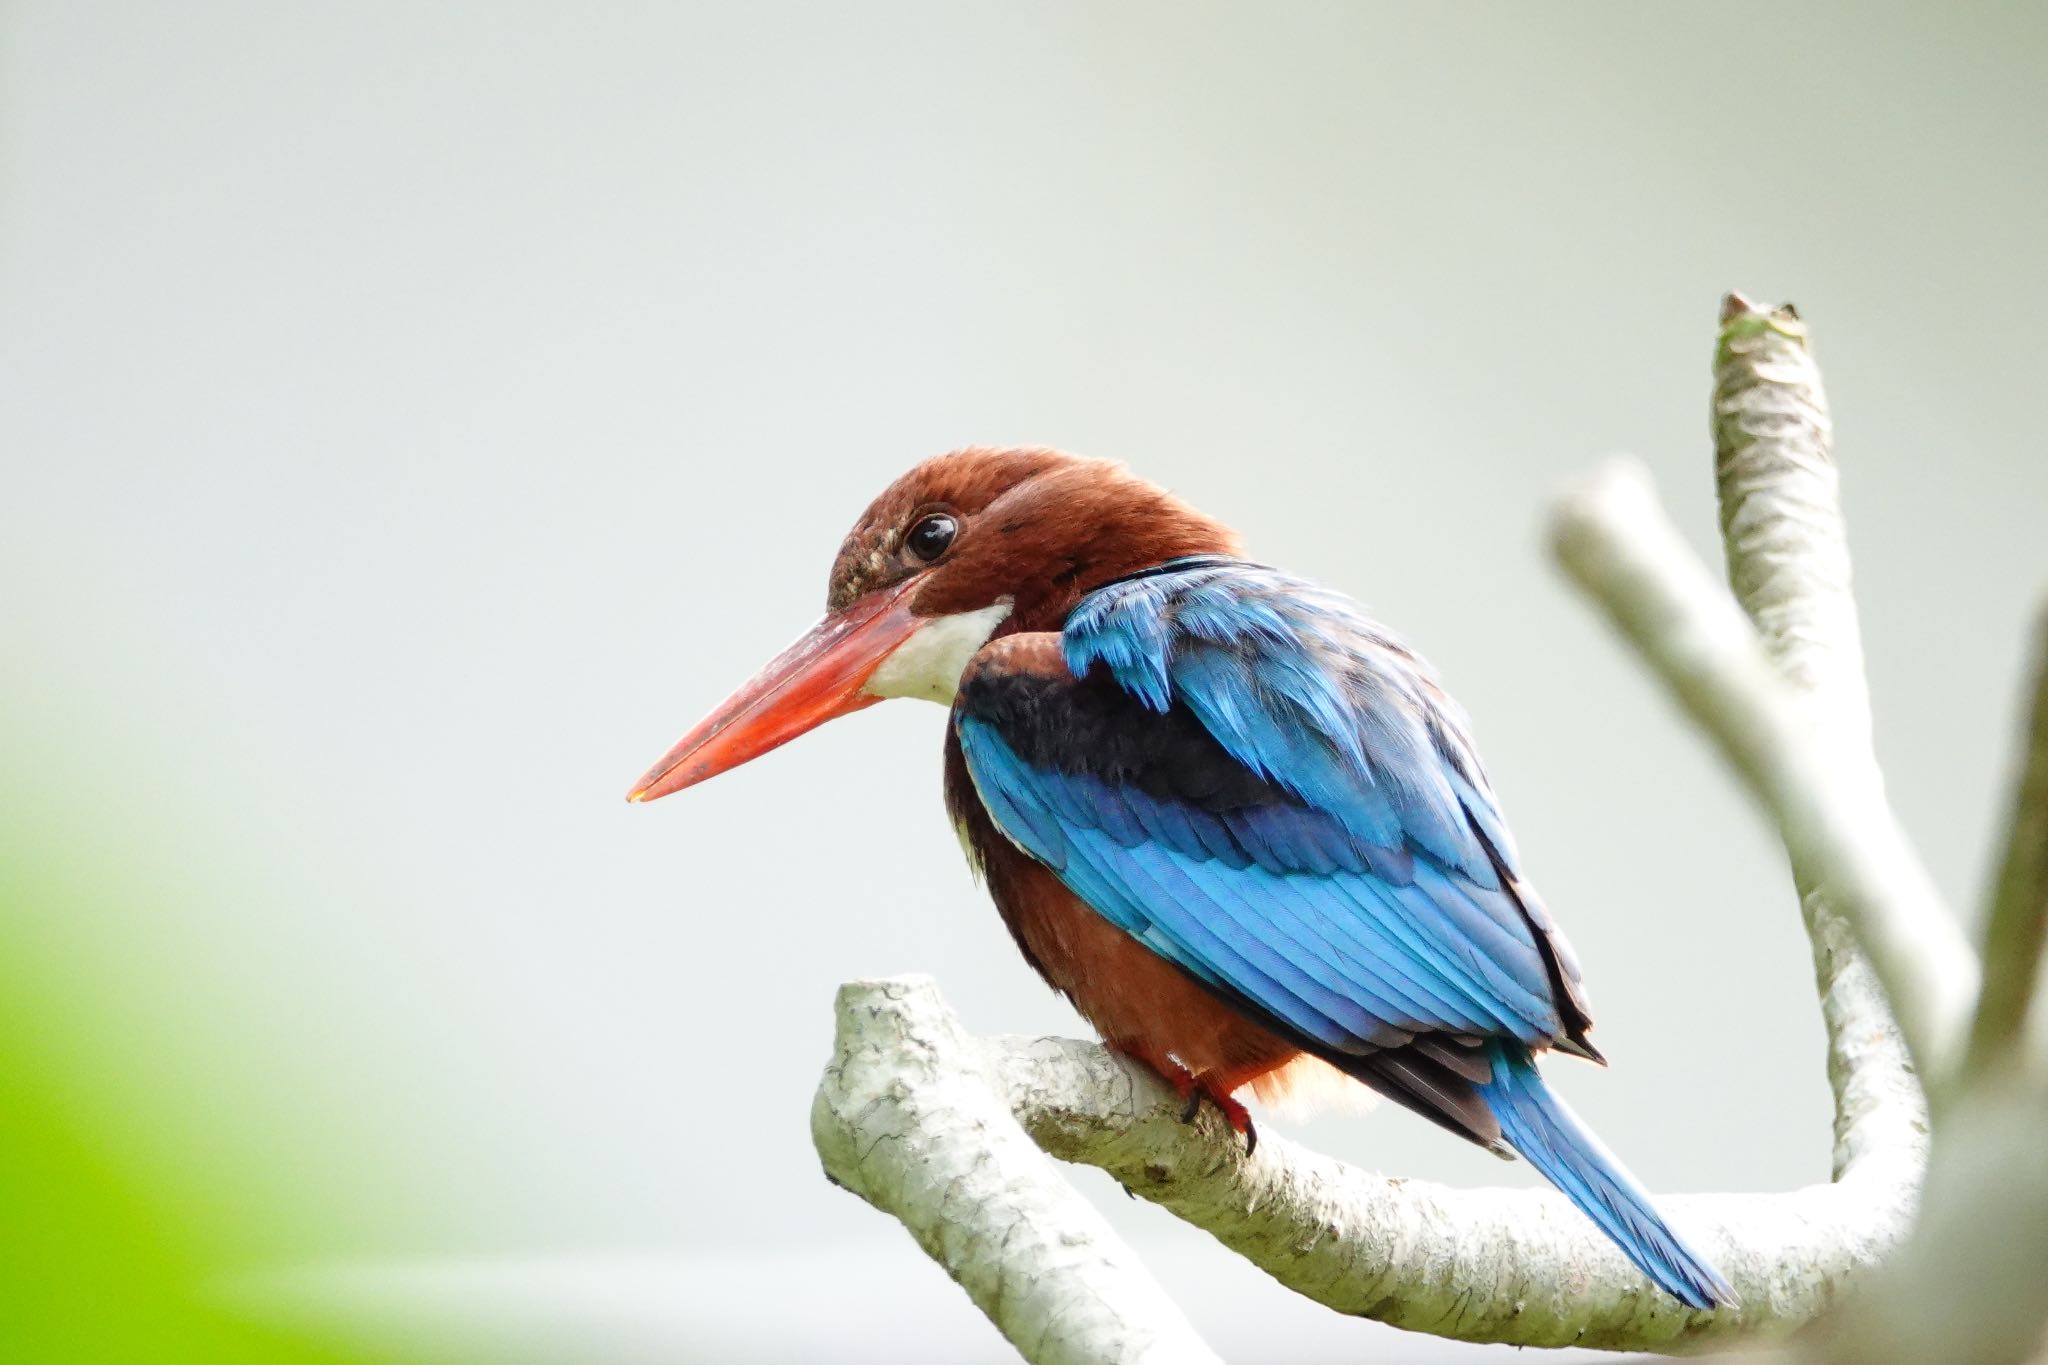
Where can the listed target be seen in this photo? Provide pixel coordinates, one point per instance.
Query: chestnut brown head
(965, 546)
(1033, 527)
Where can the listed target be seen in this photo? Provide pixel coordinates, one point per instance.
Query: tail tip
(1697, 1285)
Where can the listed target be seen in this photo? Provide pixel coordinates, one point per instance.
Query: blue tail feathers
(1544, 1130)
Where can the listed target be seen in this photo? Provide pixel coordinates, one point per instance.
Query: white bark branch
(909, 1117)
(1781, 517)
(1967, 1285)
(1615, 540)
(1788, 562)
(1786, 546)
(1964, 1286)
(1519, 1266)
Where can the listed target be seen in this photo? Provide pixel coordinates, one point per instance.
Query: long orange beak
(814, 680)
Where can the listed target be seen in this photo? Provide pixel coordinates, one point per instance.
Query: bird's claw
(1235, 1114)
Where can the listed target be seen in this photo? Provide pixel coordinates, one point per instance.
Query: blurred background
(416, 415)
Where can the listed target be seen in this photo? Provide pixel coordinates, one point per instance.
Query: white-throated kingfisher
(1232, 818)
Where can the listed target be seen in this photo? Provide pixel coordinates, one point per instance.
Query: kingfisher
(1237, 822)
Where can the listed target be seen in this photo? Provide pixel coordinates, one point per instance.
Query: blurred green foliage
(108, 1254)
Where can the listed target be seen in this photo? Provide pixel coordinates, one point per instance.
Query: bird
(1236, 821)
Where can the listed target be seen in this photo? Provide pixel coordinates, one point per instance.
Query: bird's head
(963, 547)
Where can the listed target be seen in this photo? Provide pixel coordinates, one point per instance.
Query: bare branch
(1961, 1286)
(1614, 539)
(1781, 517)
(1518, 1266)
(2017, 928)
(909, 1119)
(1967, 1285)
(1788, 562)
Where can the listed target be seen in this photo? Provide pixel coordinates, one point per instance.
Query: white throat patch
(930, 662)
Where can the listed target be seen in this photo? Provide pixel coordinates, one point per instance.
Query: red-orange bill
(816, 679)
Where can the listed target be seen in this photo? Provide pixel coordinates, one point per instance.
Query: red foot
(1194, 1090)
(1235, 1114)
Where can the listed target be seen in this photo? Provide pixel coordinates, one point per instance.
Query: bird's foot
(1194, 1091)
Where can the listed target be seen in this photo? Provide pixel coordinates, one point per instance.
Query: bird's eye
(930, 537)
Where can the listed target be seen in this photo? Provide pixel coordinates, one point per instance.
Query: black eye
(930, 537)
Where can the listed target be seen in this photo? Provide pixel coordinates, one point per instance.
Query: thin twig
(2015, 931)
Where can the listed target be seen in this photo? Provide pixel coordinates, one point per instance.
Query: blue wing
(1245, 773)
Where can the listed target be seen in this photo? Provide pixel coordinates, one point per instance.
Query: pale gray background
(415, 415)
